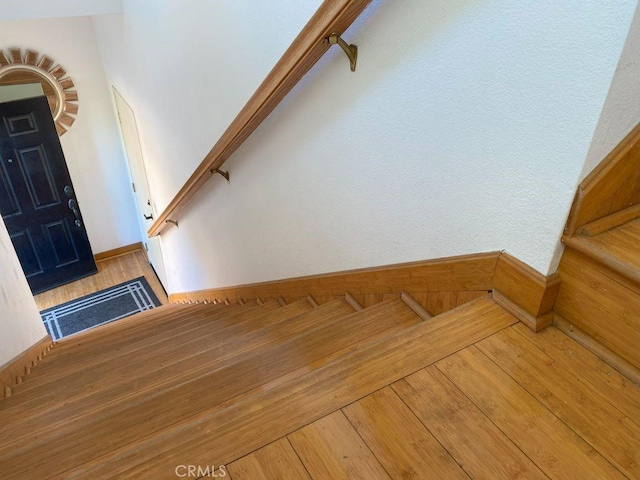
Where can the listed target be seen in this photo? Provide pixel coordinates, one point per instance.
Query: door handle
(73, 206)
(148, 217)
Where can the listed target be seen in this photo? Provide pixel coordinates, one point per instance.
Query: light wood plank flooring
(111, 271)
(302, 391)
(514, 405)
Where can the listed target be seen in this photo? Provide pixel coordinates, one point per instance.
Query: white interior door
(146, 206)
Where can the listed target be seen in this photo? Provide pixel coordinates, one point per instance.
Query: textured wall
(464, 130)
(92, 146)
(20, 323)
(621, 110)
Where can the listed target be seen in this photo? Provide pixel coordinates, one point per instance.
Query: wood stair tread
(71, 401)
(88, 439)
(135, 326)
(91, 383)
(182, 328)
(132, 323)
(224, 435)
(618, 248)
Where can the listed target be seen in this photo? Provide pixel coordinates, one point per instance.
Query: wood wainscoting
(437, 285)
(13, 371)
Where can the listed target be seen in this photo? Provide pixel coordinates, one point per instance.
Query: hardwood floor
(513, 405)
(302, 391)
(111, 271)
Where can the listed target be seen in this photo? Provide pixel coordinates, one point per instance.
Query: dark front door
(37, 200)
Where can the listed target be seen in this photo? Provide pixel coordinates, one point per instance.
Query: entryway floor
(112, 271)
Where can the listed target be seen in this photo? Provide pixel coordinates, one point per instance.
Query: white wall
(25, 9)
(20, 323)
(464, 129)
(92, 146)
(620, 113)
(621, 110)
(9, 93)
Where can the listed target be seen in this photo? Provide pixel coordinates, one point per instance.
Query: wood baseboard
(534, 323)
(116, 252)
(598, 349)
(10, 371)
(446, 275)
(526, 293)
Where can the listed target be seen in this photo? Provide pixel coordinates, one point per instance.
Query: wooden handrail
(302, 54)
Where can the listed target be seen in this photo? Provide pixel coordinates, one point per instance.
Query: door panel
(37, 200)
(9, 205)
(27, 253)
(61, 242)
(37, 176)
(21, 124)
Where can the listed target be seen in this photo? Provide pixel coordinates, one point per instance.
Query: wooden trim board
(534, 323)
(611, 187)
(598, 349)
(416, 307)
(353, 302)
(116, 252)
(530, 291)
(308, 47)
(16, 367)
(468, 272)
(609, 222)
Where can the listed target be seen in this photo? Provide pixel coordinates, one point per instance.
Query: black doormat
(99, 308)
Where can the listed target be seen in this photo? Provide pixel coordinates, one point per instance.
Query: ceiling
(26, 9)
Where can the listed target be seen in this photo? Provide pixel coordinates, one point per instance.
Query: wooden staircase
(162, 379)
(265, 390)
(599, 298)
(598, 303)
